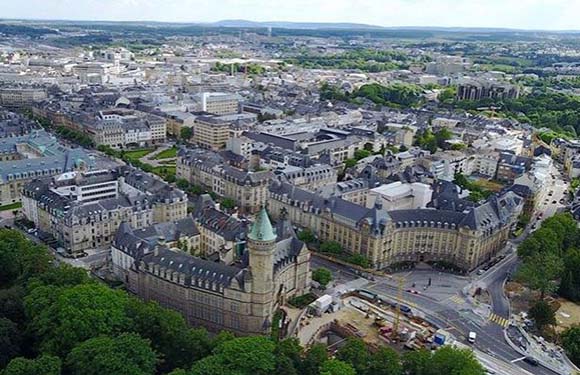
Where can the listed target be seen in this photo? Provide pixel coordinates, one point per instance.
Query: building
(210, 132)
(511, 166)
(241, 297)
(34, 155)
(210, 170)
(21, 97)
(82, 210)
(120, 128)
(478, 90)
(465, 238)
(309, 178)
(400, 196)
(218, 103)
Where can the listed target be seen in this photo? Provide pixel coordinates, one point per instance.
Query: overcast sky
(525, 14)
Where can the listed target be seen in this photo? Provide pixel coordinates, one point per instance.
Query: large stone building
(241, 297)
(210, 132)
(210, 170)
(33, 155)
(466, 238)
(83, 210)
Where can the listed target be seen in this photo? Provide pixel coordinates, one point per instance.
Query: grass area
(13, 206)
(489, 184)
(164, 171)
(137, 154)
(567, 315)
(167, 154)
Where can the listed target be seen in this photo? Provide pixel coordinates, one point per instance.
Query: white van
(471, 338)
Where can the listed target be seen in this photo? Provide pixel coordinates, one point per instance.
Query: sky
(520, 14)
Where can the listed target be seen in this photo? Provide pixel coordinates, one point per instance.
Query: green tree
(361, 154)
(385, 362)
(540, 272)
(570, 282)
(337, 367)
(253, 355)
(571, 343)
(449, 360)
(542, 314)
(177, 344)
(125, 354)
(313, 359)
(228, 203)
(349, 163)
(10, 340)
(182, 183)
(322, 276)
(331, 247)
(43, 365)
(62, 318)
(355, 352)
(306, 235)
(186, 133)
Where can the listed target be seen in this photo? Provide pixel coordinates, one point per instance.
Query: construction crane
(400, 284)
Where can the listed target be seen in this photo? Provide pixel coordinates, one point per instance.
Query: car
(531, 360)
(481, 272)
(554, 202)
(31, 230)
(471, 337)
(412, 291)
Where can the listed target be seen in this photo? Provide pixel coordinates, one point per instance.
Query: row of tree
(393, 95)
(550, 263)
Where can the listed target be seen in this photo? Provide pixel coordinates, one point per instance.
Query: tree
(570, 282)
(182, 183)
(385, 362)
(349, 163)
(62, 318)
(322, 276)
(361, 154)
(331, 247)
(228, 203)
(449, 360)
(253, 355)
(542, 314)
(10, 340)
(571, 343)
(403, 148)
(314, 358)
(540, 271)
(186, 133)
(177, 344)
(355, 352)
(124, 354)
(306, 235)
(337, 367)
(43, 365)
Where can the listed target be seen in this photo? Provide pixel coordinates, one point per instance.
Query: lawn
(12, 206)
(567, 315)
(167, 154)
(489, 185)
(164, 171)
(137, 154)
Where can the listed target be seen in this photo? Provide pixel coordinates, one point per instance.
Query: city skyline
(526, 14)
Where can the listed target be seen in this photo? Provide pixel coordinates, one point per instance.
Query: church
(240, 297)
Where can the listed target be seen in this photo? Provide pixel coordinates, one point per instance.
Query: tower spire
(262, 229)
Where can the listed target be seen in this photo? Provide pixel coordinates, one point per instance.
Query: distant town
(245, 198)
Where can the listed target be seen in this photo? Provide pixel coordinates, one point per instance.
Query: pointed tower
(261, 247)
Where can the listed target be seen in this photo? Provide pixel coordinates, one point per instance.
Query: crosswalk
(500, 321)
(457, 300)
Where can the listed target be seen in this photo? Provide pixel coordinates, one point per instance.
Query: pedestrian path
(457, 300)
(500, 321)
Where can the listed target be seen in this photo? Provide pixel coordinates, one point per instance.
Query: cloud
(528, 14)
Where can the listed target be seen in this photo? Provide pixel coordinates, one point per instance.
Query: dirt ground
(519, 296)
(567, 315)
